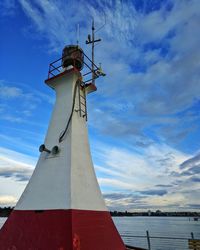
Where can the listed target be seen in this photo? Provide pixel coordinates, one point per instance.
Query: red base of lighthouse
(60, 230)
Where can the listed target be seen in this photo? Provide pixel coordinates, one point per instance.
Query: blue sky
(144, 120)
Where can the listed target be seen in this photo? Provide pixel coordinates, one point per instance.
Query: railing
(161, 242)
(56, 67)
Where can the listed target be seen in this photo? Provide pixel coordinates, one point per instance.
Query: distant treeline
(4, 212)
(156, 213)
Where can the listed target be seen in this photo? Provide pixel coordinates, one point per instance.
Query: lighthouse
(62, 207)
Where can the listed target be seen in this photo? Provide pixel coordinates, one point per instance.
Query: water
(180, 227)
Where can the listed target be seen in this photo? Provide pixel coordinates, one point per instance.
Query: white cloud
(6, 200)
(120, 19)
(167, 79)
(169, 200)
(10, 92)
(21, 141)
(15, 165)
(11, 118)
(15, 170)
(137, 170)
(165, 21)
(113, 183)
(18, 157)
(151, 178)
(56, 16)
(27, 98)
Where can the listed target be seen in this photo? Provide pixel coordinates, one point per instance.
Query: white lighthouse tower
(62, 207)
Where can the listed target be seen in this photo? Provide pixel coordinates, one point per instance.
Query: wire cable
(71, 114)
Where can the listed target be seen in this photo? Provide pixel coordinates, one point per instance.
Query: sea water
(171, 227)
(174, 227)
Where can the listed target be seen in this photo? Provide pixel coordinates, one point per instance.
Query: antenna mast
(92, 41)
(77, 33)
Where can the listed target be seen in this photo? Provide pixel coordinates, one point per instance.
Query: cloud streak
(15, 165)
(6, 200)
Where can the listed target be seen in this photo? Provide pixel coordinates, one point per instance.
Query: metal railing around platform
(56, 68)
(149, 242)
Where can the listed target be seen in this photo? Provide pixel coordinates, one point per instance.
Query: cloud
(135, 202)
(15, 171)
(107, 182)
(194, 206)
(27, 98)
(20, 173)
(9, 96)
(149, 178)
(190, 163)
(7, 8)
(115, 196)
(122, 201)
(15, 165)
(161, 90)
(59, 17)
(10, 92)
(120, 23)
(164, 186)
(7, 200)
(12, 89)
(137, 170)
(195, 179)
(190, 169)
(165, 19)
(167, 201)
(159, 192)
(148, 69)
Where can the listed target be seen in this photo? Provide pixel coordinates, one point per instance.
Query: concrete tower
(62, 207)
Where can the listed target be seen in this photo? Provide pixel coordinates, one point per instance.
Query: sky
(144, 120)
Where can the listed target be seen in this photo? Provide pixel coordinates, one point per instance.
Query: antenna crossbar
(92, 41)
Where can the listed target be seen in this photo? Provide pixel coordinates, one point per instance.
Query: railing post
(148, 240)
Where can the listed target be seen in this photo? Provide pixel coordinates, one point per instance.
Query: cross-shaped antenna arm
(94, 41)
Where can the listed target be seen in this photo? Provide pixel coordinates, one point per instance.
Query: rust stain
(76, 242)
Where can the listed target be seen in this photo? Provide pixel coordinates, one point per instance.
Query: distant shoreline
(158, 213)
(5, 212)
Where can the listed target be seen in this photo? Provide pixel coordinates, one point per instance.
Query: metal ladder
(82, 101)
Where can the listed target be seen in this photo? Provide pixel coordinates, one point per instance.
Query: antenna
(92, 41)
(77, 33)
(103, 24)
